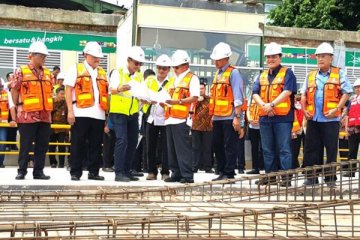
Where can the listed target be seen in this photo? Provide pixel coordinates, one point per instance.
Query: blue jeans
(2, 146)
(276, 145)
(126, 130)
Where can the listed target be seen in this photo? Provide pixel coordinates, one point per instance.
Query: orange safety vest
(332, 92)
(252, 112)
(36, 94)
(269, 92)
(296, 125)
(180, 111)
(221, 95)
(4, 105)
(84, 92)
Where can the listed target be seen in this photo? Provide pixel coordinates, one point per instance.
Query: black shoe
(61, 166)
(135, 173)
(121, 178)
(209, 171)
(2, 166)
(75, 178)
(195, 170)
(311, 182)
(92, 176)
(222, 177)
(108, 169)
(20, 176)
(171, 179)
(185, 180)
(241, 171)
(285, 184)
(254, 171)
(132, 178)
(53, 165)
(349, 174)
(41, 177)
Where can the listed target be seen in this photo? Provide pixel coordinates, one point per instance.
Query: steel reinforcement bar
(279, 186)
(330, 220)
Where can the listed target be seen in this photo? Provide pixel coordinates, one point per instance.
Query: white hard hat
(93, 49)
(324, 48)
(61, 75)
(272, 49)
(163, 60)
(220, 51)
(357, 82)
(137, 54)
(180, 57)
(38, 47)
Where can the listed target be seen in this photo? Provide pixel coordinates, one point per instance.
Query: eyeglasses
(40, 55)
(162, 68)
(136, 63)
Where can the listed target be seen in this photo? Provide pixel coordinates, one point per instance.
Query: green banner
(352, 59)
(54, 40)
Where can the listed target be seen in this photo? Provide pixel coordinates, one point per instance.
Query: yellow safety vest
(153, 84)
(123, 102)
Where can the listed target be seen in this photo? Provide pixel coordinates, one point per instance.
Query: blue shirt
(290, 85)
(237, 86)
(321, 79)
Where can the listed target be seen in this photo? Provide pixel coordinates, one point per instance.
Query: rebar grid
(333, 219)
(280, 186)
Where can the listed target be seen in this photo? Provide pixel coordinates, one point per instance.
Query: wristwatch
(180, 102)
(238, 115)
(272, 104)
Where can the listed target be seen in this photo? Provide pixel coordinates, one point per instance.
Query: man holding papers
(155, 127)
(124, 112)
(184, 93)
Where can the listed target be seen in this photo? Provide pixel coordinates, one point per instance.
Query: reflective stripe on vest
(4, 105)
(296, 125)
(84, 92)
(354, 112)
(332, 92)
(221, 95)
(252, 112)
(36, 94)
(269, 92)
(180, 111)
(123, 102)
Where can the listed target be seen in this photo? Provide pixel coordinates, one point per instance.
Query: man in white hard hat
(352, 126)
(226, 99)
(155, 126)
(184, 93)
(324, 93)
(87, 102)
(274, 92)
(124, 113)
(32, 94)
(59, 81)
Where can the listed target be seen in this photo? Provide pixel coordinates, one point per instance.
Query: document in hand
(159, 97)
(138, 90)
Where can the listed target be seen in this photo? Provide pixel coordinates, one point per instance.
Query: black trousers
(60, 138)
(354, 141)
(225, 146)
(179, 151)
(241, 152)
(108, 149)
(295, 148)
(201, 149)
(156, 153)
(39, 133)
(319, 135)
(256, 150)
(11, 136)
(89, 129)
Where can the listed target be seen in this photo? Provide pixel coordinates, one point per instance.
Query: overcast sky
(126, 3)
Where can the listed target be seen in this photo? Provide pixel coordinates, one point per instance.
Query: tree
(324, 14)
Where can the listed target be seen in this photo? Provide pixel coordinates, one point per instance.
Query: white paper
(138, 90)
(159, 97)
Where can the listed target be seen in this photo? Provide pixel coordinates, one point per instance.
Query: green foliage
(320, 14)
